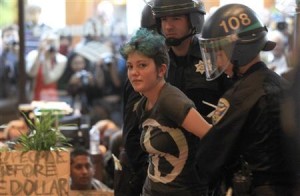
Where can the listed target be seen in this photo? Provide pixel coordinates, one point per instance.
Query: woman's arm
(195, 123)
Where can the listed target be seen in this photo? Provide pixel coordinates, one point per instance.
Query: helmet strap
(177, 42)
(235, 70)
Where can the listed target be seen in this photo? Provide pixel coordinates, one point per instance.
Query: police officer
(180, 21)
(134, 161)
(246, 145)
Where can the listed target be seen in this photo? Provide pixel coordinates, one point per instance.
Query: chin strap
(176, 42)
(235, 70)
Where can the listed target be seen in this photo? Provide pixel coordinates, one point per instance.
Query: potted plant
(40, 162)
(44, 134)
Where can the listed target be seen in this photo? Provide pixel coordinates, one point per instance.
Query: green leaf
(44, 133)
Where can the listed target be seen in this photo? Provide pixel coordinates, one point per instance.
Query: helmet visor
(216, 54)
(149, 2)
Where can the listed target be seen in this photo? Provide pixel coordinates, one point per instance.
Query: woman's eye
(142, 65)
(129, 66)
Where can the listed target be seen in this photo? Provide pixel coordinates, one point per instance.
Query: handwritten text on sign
(34, 173)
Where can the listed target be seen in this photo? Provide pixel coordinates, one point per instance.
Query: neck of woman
(153, 95)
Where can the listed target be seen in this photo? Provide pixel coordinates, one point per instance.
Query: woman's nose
(133, 71)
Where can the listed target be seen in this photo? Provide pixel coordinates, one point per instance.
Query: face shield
(216, 54)
(149, 2)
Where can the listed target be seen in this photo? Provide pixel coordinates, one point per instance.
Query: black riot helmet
(235, 30)
(194, 9)
(147, 18)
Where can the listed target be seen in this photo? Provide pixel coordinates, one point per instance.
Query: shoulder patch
(222, 107)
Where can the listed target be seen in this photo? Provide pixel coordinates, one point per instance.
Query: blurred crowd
(88, 75)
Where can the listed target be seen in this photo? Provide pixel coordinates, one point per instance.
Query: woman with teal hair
(171, 126)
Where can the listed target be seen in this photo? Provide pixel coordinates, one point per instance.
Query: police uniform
(134, 161)
(246, 129)
(188, 74)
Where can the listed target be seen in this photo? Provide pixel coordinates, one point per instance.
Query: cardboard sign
(91, 193)
(35, 173)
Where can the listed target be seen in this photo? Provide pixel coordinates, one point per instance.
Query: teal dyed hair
(148, 43)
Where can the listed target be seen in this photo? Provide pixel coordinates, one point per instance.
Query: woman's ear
(163, 70)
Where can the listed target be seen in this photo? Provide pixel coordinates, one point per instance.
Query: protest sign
(91, 193)
(35, 173)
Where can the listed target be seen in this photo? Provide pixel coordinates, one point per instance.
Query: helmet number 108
(234, 22)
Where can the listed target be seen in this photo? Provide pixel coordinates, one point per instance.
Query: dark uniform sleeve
(217, 146)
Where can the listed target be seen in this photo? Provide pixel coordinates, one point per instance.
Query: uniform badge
(222, 107)
(200, 67)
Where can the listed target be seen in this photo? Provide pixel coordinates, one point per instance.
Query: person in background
(99, 27)
(129, 181)
(11, 133)
(82, 172)
(107, 91)
(80, 82)
(245, 152)
(290, 119)
(180, 22)
(65, 44)
(66, 49)
(278, 58)
(171, 125)
(14, 129)
(106, 128)
(114, 144)
(9, 58)
(34, 27)
(46, 65)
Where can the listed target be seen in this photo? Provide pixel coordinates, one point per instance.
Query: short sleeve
(175, 105)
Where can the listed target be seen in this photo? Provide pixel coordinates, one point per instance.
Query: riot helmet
(194, 9)
(147, 18)
(233, 34)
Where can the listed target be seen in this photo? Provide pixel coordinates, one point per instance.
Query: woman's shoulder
(173, 95)
(170, 91)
